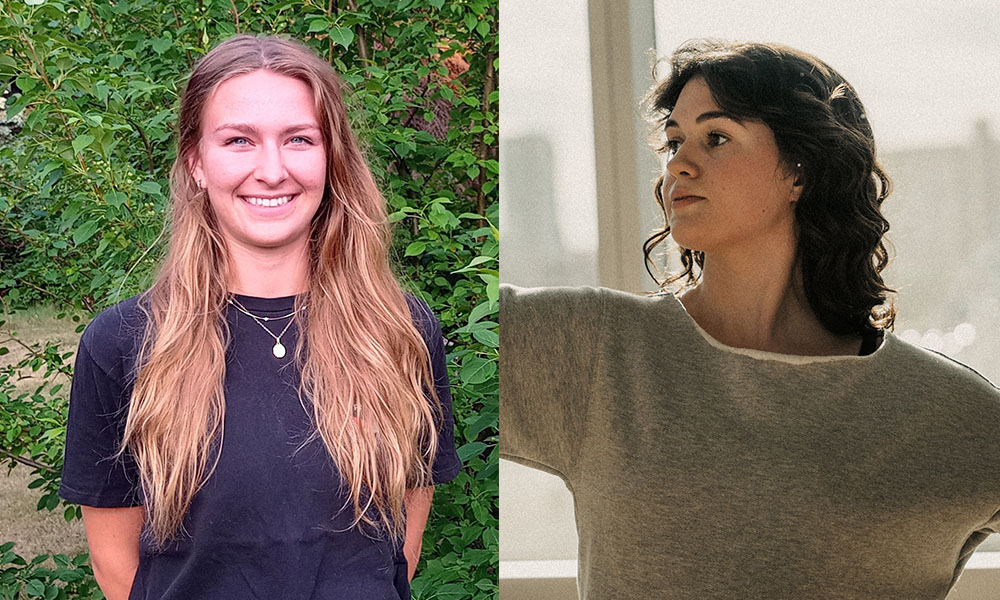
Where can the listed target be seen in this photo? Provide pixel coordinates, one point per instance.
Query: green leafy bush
(83, 192)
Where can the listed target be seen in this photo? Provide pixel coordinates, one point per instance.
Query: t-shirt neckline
(266, 305)
(795, 359)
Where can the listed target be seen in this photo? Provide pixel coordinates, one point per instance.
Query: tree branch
(483, 151)
(359, 31)
(29, 462)
(147, 144)
(36, 354)
(236, 15)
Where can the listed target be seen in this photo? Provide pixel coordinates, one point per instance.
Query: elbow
(114, 577)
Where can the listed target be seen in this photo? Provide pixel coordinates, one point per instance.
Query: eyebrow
(712, 114)
(253, 130)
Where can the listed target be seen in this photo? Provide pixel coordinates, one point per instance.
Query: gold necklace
(278, 350)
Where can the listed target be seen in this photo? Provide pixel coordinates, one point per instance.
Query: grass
(34, 532)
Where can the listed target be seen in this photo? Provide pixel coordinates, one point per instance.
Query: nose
(682, 165)
(270, 168)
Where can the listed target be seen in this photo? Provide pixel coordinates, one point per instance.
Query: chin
(684, 237)
(271, 242)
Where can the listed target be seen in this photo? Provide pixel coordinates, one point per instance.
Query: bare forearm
(116, 583)
(113, 537)
(418, 507)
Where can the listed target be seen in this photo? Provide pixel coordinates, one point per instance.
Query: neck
(268, 273)
(757, 301)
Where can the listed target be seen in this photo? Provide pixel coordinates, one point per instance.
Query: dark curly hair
(819, 123)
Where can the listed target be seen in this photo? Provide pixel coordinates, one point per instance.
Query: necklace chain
(278, 350)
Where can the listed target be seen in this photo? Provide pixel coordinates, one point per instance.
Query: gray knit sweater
(704, 471)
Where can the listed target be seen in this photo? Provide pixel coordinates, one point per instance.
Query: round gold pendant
(278, 350)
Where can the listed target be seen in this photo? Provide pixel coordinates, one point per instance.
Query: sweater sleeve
(548, 342)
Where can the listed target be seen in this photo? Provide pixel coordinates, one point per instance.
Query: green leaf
(85, 232)
(82, 142)
(115, 199)
(415, 248)
(116, 61)
(150, 187)
(479, 423)
(26, 83)
(486, 337)
(483, 28)
(471, 21)
(342, 36)
(491, 539)
(481, 310)
(476, 370)
(442, 217)
(93, 120)
(161, 45)
(436, 3)
(475, 262)
(492, 286)
(34, 2)
(34, 587)
(319, 24)
(469, 450)
(101, 90)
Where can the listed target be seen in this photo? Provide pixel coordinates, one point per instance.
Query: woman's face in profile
(724, 185)
(261, 158)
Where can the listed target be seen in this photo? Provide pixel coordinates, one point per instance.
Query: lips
(684, 196)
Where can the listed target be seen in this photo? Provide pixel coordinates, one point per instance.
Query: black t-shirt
(272, 521)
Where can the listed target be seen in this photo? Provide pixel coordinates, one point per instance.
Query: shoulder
(926, 370)
(115, 334)
(423, 317)
(598, 303)
(519, 304)
(550, 295)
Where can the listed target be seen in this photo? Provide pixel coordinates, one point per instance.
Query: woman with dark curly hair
(762, 434)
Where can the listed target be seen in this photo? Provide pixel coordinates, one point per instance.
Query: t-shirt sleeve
(92, 475)
(446, 462)
(548, 338)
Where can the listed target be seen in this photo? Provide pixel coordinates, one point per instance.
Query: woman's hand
(113, 537)
(418, 507)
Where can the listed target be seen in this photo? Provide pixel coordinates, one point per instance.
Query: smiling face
(725, 185)
(262, 160)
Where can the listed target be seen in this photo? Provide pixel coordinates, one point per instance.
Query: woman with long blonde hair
(269, 418)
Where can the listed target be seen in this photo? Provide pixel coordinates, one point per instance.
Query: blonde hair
(365, 369)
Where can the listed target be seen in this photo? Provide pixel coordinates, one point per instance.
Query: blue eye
(304, 140)
(235, 141)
